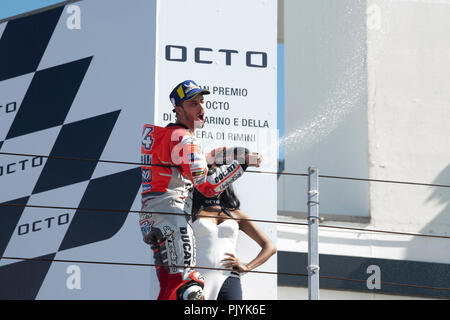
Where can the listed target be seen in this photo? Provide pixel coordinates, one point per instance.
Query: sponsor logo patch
(146, 226)
(198, 173)
(146, 175)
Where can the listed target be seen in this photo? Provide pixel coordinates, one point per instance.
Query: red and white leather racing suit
(172, 165)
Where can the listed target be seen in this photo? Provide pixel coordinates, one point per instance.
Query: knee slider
(192, 289)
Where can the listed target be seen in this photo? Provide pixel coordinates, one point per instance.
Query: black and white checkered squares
(38, 124)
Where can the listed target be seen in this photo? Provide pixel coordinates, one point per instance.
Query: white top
(212, 242)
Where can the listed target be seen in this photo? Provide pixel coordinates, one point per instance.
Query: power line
(254, 220)
(386, 181)
(71, 158)
(278, 173)
(249, 171)
(139, 211)
(394, 284)
(225, 217)
(133, 264)
(386, 231)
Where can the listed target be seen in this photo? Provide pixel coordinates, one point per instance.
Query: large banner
(229, 48)
(76, 82)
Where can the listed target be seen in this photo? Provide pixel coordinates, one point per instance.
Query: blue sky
(9, 8)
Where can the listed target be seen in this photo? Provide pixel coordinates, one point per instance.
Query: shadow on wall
(434, 249)
(441, 195)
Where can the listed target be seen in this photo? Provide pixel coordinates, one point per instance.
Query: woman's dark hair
(228, 200)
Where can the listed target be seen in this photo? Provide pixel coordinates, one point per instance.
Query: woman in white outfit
(216, 223)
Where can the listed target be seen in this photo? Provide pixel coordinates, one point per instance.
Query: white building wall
(407, 111)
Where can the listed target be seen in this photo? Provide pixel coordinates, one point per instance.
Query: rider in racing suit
(172, 165)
